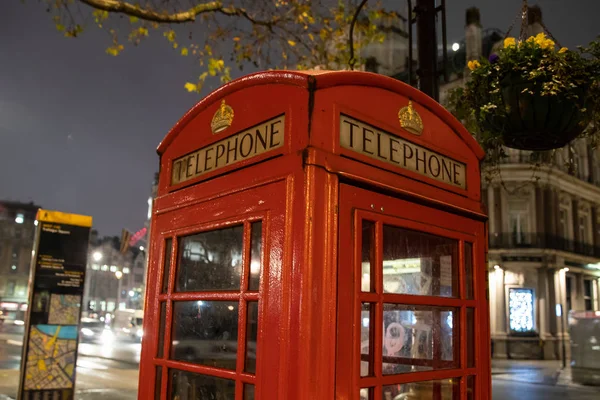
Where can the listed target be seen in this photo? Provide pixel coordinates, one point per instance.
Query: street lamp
(118, 275)
(97, 256)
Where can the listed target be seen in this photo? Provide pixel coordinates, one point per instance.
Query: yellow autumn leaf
(190, 87)
(291, 43)
(310, 35)
(133, 20)
(184, 51)
(236, 39)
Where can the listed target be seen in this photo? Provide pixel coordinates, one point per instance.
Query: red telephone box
(317, 236)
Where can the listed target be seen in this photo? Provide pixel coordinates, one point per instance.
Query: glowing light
(496, 267)
(35, 222)
(97, 256)
(254, 267)
(455, 46)
(365, 322)
(230, 308)
(566, 269)
(141, 248)
(19, 219)
(119, 274)
(131, 293)
(14, 267)
(520, 309)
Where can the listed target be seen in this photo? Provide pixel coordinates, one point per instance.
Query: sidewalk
(543, 372)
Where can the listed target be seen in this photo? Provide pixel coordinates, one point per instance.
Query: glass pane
(447, 389)
(419, 338)
(470, 337)
(366, 393)
(366, 340)
(251, 334)
(255, 256)
(210, 260)
(185, 385)
(248, 391)
(419, 263)
(161, 330)
(468, 270)
(520, 310)
(368, 255)
(167, 264)
(205, 332)
(158, 383)
(471, 387)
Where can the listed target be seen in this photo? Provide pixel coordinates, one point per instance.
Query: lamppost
(118, 275)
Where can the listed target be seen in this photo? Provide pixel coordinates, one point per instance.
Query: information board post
(55, 296)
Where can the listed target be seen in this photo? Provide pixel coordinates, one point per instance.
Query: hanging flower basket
(530, 95)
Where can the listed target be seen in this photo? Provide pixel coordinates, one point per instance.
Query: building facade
(544, 224)
(17, 233)
(114, 280)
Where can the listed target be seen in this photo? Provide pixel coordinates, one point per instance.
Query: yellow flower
(547, 44)
(562, 50)
(509, 42)
(530, 39)
(473, 65)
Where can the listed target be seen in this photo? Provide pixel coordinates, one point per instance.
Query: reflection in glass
(248, 391)
(185, 385)
(158, 383)
(205, 332)
(365, 394)
(368, 255)
(210, 260)
(447, 389)
(161, 329)
(419, 263)
(251, 334)
(366, 340)
(470, 337)
(418, 338)
(255, 256)
(167, 264)
(468, 270)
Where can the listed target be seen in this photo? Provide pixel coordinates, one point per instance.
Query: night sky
(79, 128)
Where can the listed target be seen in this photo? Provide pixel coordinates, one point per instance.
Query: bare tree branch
(134, 10)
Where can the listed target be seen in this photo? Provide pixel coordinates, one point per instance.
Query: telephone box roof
(316, 80)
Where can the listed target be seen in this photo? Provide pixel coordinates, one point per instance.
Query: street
(111, 373)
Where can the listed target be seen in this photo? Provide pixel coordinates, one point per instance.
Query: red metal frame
(306, 193)
(357, 205)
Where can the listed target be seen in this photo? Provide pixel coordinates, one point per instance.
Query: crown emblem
(410, 119)
(222, 118)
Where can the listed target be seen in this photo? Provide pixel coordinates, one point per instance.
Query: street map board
(55, 295)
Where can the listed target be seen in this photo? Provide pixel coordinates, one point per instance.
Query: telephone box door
(409, 301)
(218, 298)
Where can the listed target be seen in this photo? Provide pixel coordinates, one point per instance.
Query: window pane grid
(457, 369)
(181, 369)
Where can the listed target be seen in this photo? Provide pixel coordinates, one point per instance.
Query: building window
(563, 222)
(95, 267)
(520, 310)
(568, 292)
(10, 288)
(13, 268)
(15, 252)
(19, 218)
(113, 268)
(104, 268)
(125, 270)
(588, 295)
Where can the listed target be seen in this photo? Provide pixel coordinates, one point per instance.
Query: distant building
(17, 233)
(113, 280)
(544, 233)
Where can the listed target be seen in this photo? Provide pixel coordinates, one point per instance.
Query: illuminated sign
(242, 146)
(520, 310)
(375, 143)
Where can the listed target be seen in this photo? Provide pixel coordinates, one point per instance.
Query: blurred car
(94, 331)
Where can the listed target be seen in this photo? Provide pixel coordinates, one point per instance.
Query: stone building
(17, 233)
(114, 280)
(544, 223)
